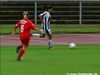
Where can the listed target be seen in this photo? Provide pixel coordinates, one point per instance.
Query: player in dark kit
(25, 25)
(45, 18)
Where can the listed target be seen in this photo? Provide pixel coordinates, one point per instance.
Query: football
(72, 45)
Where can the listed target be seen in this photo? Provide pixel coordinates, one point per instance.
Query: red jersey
(25, 25)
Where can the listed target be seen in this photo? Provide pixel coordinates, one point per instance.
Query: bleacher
(63, 12)
(11, 12)
(91, 12)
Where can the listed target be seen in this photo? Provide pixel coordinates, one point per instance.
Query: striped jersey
(46, 19)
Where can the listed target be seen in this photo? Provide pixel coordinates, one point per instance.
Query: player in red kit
(25, 25)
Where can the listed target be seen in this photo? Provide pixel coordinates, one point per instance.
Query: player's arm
(14, 29)
(40, 18)
(33, 27)
(52, 20)
(40, 30)
(37, 29)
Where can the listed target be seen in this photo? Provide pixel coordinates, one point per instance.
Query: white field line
(93, 35)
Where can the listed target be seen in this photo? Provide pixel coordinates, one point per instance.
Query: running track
(57, 39)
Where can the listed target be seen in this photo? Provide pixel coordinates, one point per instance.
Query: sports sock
(21, 53)
(49, 43)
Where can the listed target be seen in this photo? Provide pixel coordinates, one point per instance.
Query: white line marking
(93, 35)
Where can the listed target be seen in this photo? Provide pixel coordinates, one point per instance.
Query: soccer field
(60, 60)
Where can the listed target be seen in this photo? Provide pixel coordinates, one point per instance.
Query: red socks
(21, 53)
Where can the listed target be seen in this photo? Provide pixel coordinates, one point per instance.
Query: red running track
(57, 39)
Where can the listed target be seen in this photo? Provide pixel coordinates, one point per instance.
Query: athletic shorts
(47, 30)
(25, 40)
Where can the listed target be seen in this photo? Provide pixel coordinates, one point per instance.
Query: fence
(64, 12)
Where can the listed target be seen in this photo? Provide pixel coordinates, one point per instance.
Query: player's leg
(49, 38)
(25, 43)
(49, 41)
(18, 48)
(42, 35)
(21, 52)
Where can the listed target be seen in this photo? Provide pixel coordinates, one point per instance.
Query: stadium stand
(63, 12)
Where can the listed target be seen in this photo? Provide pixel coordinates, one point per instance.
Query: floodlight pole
(80, 15)
(35, 14)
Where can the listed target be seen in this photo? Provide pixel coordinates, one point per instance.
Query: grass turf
(39, 60)
(8, 28)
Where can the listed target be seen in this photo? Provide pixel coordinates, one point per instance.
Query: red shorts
(25, 40)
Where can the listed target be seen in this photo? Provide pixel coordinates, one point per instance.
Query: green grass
(39, 60)
(4, 28)
(77, 30)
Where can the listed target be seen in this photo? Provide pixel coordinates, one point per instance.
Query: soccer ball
(72, 45)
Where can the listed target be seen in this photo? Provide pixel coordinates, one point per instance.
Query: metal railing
(74, 13)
